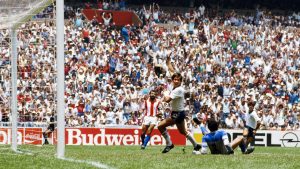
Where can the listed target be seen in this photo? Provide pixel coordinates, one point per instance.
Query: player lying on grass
(217, 140)
(218, 143)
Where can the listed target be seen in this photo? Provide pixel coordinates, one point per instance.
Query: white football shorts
(150, 120)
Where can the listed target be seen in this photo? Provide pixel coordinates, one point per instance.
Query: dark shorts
(178, 116)
(79, 114)
(50, 128)
(250, 132)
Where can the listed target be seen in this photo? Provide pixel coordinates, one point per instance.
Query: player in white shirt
(252, 124)
(176, 100)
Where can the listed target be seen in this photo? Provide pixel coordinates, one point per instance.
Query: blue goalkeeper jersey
(216, 142)
(203, 129)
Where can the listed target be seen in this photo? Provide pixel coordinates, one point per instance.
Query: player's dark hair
(177, 74)
(152, 91)
(213, 125)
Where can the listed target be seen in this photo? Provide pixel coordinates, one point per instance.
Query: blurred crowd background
(227, 58)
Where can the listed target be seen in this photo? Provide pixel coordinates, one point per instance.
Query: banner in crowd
(265, 138)
(92, 136)
(120, 18)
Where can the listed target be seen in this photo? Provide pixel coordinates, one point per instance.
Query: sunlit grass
(131, 157)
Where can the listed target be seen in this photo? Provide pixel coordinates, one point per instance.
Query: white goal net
(15, 12)
(27, 34)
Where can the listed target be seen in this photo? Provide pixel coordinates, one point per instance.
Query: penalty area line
(93, 163)
(5, 148)
(271, 154)
(17, 153)
(11, 154)
(263, 153)
(23, 152)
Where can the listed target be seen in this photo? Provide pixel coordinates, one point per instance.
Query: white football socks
(191, 139)
(167, 138)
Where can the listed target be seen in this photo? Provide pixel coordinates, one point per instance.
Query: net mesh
(13, 12)
(34, 22)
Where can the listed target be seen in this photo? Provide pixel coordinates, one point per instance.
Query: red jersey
(151, 107)
(80, 107)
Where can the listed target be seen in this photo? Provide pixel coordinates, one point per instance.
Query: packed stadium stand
(229, 53)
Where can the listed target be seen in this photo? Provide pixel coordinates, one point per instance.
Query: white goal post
(60, 78)
(14, 13)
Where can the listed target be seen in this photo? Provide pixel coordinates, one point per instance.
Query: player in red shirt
(152, 106)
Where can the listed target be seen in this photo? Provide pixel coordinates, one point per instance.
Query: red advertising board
(117, 136)
(24, 136)
(33, 136)
(91, 136)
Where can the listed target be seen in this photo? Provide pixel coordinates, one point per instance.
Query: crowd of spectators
(226, 60)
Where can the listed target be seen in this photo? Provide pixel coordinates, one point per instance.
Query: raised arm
(179, 19)
(169, 65)
(157, 6)
(103, 15)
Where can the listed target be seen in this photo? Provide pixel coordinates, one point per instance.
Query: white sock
(192, 140)
(167, 137)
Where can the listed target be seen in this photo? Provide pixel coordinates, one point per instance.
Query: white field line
(28, 152)
(10, 154)
(5, 148)
(93, 163)
(271, 154)
(262, 153)
(17, 153)
(22, 152)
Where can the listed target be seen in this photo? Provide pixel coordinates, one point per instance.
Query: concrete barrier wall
(266, 138)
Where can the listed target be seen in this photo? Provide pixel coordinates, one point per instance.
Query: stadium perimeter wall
(131, 136)
(91, 136)
(266, 138)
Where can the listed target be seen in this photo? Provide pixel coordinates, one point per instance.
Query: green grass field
(131, 157)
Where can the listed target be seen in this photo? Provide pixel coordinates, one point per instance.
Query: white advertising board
(267, 138)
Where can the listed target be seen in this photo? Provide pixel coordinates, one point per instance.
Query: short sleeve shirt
(177, 96)
(251, 119)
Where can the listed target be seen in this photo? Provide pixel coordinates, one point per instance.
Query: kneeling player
(217, 140)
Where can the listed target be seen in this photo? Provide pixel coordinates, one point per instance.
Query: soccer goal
(27, 27)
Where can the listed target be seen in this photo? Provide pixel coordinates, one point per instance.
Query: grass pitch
(132, 157)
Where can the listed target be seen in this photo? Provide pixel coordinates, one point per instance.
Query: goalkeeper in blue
(216, 141)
